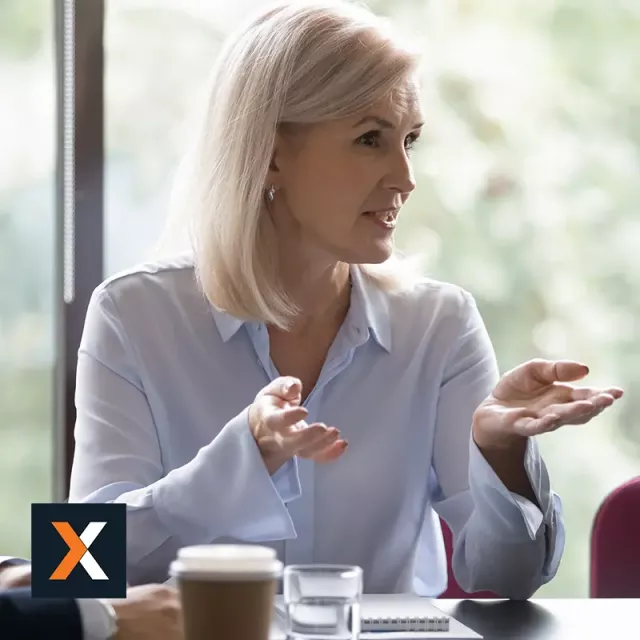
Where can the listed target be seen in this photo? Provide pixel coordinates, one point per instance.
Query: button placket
(301, 549)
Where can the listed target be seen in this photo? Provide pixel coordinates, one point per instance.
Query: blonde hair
(297, 63)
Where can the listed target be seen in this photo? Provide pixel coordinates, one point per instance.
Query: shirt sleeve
(546, 520)
(502, 542)
(96, 619)
(117, 459)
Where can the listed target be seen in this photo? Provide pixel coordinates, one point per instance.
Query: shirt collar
(369, 310)
(370, 307)
(227, 324)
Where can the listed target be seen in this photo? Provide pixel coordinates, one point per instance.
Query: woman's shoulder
(411, 307)
(162, 277)
(151, 306)
(427, 299)
(410, 293)
(152, 289)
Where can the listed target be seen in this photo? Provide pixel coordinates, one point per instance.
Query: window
(157, 55)
(27, 131)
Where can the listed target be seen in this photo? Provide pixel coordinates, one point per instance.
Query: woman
(216, 394)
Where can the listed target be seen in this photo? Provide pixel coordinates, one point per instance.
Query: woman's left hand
(535, 398)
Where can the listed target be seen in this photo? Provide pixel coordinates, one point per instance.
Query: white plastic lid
(227, 559)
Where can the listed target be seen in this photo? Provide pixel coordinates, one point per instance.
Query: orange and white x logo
(79, 551)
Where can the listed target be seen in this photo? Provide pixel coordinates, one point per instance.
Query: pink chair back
(615, 544)
(453, 588)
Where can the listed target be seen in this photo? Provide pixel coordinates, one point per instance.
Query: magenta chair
(453, 588)
(615, 544)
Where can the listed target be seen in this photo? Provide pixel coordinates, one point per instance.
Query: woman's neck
(321, 293)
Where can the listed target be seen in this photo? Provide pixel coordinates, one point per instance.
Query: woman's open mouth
(385, 219)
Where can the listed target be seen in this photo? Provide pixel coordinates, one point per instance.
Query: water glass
(322, 601)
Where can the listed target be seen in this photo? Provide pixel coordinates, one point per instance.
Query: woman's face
(341, 184)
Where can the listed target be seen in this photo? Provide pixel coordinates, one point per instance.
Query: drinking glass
(322, 602)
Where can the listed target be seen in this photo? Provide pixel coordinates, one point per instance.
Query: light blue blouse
(163, 384)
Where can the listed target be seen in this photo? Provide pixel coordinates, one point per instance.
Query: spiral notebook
(399, 617)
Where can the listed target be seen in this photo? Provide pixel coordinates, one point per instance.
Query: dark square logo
(79, 550)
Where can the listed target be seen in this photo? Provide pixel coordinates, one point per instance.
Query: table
(545, 619)
(548, 619)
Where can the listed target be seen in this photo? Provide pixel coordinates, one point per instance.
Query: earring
(271, 193)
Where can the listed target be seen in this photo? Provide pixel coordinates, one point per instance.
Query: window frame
(79, 204)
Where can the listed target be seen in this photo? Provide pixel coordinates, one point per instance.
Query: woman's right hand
(277, 421)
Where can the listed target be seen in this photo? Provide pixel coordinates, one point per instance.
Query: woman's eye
(370, 139)
(410, 141)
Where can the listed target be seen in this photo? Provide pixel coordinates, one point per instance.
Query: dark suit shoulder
(25, 618)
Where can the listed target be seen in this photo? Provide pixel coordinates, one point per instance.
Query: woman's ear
(288, 143)
(275, 165)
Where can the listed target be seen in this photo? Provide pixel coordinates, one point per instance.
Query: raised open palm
(277, 421)
(536, 397)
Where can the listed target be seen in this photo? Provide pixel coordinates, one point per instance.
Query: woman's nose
(400, 174)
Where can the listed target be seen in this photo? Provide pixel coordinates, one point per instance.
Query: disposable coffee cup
(227, 591)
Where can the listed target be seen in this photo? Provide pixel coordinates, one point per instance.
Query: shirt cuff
(287, 481)
(556, 537)
(511, 516)
(97, 619)
(253, 511)
(532, 515)
(514, 514)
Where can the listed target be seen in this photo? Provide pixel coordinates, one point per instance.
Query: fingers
(587, 393)
(580, 403)
(279, 420)
(326, 449)
(316, 442)
(582, 408)
(550, 422)
(287, 388)
(284, 418)
(558, 415)
(572, 410)
(328, 438)
(550, 371)
(332, 452)
(305, 442)
(536, 375)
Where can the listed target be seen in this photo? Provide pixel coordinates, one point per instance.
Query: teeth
(384, 216)
(387, 217)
